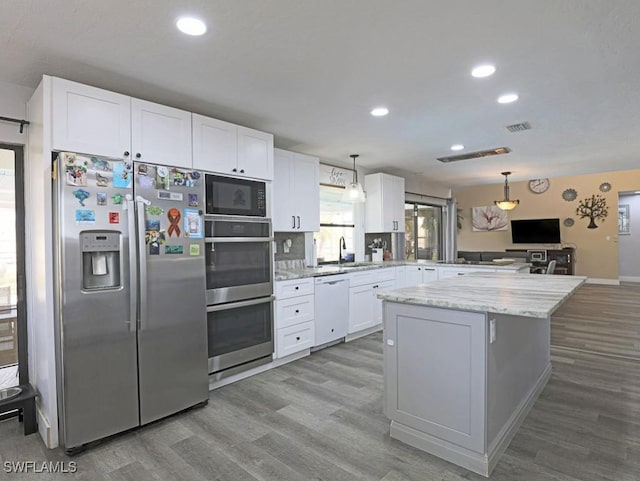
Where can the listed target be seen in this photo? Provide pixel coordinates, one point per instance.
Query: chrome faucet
(341, 245)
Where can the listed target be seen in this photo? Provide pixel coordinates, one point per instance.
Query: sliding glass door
(11, 258)
(423, 231)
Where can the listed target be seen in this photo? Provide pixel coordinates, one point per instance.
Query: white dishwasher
(331, 308)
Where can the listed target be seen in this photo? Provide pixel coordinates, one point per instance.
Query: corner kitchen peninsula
(465, 358)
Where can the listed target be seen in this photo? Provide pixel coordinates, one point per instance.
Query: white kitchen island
(465, 358)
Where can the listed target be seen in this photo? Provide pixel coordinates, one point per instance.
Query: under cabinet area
(294, 316)
(296, 192)
(230, 149)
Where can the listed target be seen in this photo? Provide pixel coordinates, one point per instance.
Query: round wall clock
(605, 187)
(569, 195)
(568, 222)
(539, 186)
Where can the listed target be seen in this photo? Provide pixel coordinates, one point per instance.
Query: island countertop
(527, 295)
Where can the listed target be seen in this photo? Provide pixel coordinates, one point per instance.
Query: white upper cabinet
(90, 120)
(230, 149)
(296, 192)
(160, 134)
(255, 154)
(385, 203)
(215, 144)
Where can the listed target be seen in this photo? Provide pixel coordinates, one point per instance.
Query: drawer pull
(297, 311)
(297, 287)
(297, 338)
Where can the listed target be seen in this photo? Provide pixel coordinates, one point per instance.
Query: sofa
(477, 256)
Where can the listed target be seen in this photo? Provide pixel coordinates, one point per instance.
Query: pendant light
(353, 192)
(506, 203)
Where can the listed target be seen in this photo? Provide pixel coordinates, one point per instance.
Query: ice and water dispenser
(100, 260)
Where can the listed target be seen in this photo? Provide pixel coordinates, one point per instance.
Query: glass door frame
(21, 305)
(441, 236)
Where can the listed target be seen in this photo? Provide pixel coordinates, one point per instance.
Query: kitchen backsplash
(382, 239)
(297, 249)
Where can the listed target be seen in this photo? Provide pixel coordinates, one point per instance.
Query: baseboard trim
(630, 278)
(608, 282)
(364, 332)
(44, 429)
(478, 463)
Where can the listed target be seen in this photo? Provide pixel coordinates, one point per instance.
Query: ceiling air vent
(518, 127)
(476, 155)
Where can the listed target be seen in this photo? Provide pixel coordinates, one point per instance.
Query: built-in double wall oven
(239, 280)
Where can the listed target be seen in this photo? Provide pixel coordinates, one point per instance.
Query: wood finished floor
(601, 319)
(320, 418)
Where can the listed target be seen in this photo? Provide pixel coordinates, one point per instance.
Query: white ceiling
(310, 70)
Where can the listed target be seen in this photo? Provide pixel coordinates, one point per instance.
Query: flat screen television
(535, 231)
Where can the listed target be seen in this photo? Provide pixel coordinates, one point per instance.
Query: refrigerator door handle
(141, 202)
(133, 268)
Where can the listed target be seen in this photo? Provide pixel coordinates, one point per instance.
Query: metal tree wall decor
(594, 207)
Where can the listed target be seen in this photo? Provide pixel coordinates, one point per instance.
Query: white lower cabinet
(445, 272)
(360, 308)
(294, 311)
(296, 338)
(420, 274)
(365, 309)
(294, 316)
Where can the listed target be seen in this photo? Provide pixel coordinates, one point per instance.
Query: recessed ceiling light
(457, 147)
(507, 98)
(191, 26)
(483, 71)
(379, 111)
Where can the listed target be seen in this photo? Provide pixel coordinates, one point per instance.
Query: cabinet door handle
(298, 221)
(293, 219)
(376, 286)
(297, 287)
(126, 153)
(242, 171)
(297, 338)
(297, 311)
(234, 170)
(138, 155)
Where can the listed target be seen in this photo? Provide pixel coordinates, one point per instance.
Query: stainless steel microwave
(233, 196)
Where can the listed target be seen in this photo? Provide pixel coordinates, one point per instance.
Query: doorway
(13, 329)
(423, 231)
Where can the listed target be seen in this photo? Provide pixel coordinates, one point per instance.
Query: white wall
(629, 245)
(13, 103)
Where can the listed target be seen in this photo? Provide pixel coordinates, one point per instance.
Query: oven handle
(233, 305)
(237, 239)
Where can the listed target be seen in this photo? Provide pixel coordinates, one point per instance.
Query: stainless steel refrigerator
(131, 311)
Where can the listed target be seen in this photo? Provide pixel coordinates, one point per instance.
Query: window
(336, 220)
(423, 231)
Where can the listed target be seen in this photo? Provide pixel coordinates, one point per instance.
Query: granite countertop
(285, 274)
(527, 295)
